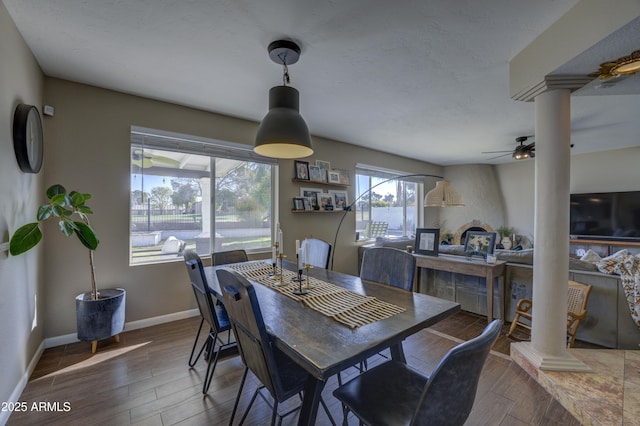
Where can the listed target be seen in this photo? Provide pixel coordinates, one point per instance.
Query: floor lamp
(443, 195)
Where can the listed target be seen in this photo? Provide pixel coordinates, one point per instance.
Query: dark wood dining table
(323, 346)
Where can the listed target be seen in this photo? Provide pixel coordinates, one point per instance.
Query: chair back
(226, 257)
(388, 266)
(449, 394)
(246, 319)
(319, 252)
(204, 297)
(577, 300)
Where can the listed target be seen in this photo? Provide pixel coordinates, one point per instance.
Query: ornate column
(547, 349)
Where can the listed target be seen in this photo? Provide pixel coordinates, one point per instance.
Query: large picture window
(387, 204)
(199, 194)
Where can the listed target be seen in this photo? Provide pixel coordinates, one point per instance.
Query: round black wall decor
(27, 138)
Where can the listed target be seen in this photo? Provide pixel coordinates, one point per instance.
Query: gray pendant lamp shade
(443, 195)
(283, 132)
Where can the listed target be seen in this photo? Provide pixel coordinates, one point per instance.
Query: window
(387, 203)
(196, 193)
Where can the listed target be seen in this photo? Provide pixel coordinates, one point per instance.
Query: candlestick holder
(274, 263)
(300, 290)
(298, 277)
(307, 284)
(280, 274)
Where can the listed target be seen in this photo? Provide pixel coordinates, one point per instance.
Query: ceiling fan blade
(145, 163)
(499, 156)
(496, 152)
(164, 160)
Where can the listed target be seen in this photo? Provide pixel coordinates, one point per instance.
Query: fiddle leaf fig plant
(71, 212)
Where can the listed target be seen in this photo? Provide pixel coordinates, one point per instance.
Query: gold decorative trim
(626, 65)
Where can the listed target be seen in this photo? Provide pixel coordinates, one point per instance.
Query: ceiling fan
(146, 159)
(521, 152)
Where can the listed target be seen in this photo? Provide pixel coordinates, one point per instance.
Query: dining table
(324, 346)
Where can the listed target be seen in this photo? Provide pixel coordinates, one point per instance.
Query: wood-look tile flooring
(145, 380)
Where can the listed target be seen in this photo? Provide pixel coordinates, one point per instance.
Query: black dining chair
(212, 313)
(319, 252)
(393, 393)
(229, 256)
(278, 373)
(389, 266)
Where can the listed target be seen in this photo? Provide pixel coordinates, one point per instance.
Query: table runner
(345, 306)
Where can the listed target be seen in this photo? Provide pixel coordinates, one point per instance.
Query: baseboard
(17, 391)
(51, 342)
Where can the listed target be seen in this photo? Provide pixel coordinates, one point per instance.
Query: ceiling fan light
(443, 195)
(628, 68)
(625, 65)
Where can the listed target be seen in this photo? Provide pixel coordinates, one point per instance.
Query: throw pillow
(607, 265)
(591, 256)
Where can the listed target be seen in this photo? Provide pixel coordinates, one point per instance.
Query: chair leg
(253, 398)
(211, 365)
(274, 414)
(326, 409)
(192, 361)
(235, 405)
(345, 415)
(514, 324)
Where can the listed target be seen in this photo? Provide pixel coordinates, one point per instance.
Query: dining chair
(577, 300)
(319, 252)
(230, 256)
(388, 265)
(278, 373)
(394, 393)
(214, 314)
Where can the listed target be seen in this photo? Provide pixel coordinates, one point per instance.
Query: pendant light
(443, 195)
(283, 132)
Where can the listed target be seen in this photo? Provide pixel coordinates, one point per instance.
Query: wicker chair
(578, 298)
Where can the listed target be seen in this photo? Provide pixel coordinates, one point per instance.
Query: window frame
(389, 175)
(147, 138)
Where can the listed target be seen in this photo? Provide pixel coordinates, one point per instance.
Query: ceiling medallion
(626, 65)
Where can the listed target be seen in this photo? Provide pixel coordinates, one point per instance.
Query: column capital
(552, 82)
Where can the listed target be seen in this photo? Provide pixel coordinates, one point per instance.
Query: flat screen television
(605, 215)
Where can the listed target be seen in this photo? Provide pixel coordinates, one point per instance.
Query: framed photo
(344, 176)
(298, 203)
(317, 174)
(333, 176)
(427, 240)
(302, 169)
(308, 205)
(312, 194)
(325, 165)
(326, 201)
(341, 199)
(479, 243)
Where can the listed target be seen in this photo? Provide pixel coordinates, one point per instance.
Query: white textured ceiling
(422, 79)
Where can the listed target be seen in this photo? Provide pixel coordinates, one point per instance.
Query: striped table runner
(346, 307)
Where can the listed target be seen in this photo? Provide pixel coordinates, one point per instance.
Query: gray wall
(89, 150)
(597, 172)
(21, 278)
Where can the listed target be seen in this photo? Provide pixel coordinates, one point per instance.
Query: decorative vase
(102, 318)
(506, 243)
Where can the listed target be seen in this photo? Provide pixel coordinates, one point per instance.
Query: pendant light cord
(285, 74)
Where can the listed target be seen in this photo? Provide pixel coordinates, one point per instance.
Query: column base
(531, 360)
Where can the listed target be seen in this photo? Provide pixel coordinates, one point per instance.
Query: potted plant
(447, 237)
(98, 314)
(505, 233)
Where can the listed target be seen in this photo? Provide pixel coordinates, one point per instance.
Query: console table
(468, 266)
